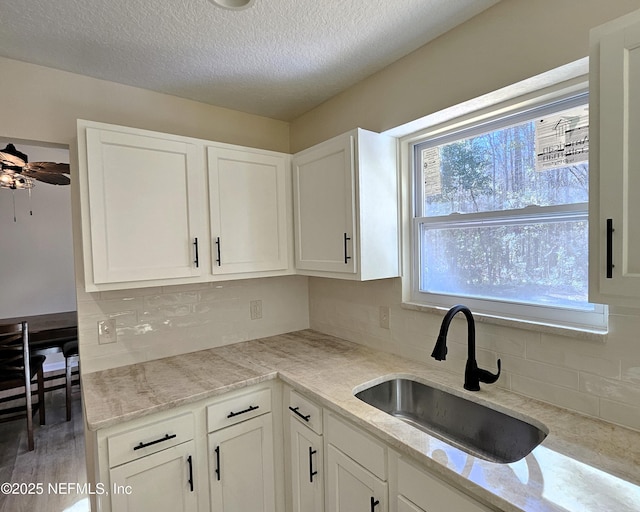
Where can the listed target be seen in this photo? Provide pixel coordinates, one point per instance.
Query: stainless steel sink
(474, 428)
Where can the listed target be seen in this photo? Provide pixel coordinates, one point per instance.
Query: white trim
(553, 86)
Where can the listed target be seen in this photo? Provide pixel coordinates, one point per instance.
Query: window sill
(559, 330)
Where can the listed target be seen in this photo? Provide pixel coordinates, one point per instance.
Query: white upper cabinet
(142, 207)
(345, 194)
(614, 162)
(160, 209)
(248, 208)
(147, 219)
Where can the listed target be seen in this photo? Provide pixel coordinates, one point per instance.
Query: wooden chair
(17, 369)
(70, 352)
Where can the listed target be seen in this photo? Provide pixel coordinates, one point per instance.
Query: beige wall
(42, 104)
(514, 40)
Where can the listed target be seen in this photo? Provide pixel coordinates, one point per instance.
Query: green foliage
(541, 263)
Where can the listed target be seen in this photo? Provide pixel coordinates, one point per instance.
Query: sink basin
(472, 427)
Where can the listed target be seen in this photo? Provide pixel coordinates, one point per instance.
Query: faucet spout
(472, 375)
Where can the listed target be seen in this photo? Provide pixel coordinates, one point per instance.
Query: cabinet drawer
(150, 438)
(361, 447)
(306, 411)
(430, 493)
(238, 408)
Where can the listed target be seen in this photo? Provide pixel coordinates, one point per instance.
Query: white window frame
(588, 321)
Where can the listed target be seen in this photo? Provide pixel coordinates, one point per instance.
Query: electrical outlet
(384, 317)
(255, 307)
(107, 331)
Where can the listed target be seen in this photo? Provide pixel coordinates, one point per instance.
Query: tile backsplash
(597, 378)
(159, 322)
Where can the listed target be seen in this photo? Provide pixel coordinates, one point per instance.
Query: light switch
(107, 331)
(384, 317)
(256, 309)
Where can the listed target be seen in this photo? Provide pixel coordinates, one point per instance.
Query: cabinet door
(160, 482)
(247, 194)
(617, 242)
(324, 202)
(241, 467)
(145, 207)
(307, 471)
(404, 505)
(350, 487)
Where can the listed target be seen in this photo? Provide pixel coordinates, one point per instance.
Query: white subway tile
(612, 389)
(622, 414)
(557, 395)
(550, 374)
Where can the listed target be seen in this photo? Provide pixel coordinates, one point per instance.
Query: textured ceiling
(278, 58)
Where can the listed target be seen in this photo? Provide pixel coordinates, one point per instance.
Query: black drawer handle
(196, 261)
(346, 254)
(299, 414)
(151, 443)
(610, 264)
(190, 462)
(234, 414)
(218, 260)
(374, 503)
(217, 450)
(312, 473)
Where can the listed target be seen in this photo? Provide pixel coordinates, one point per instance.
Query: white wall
(512, 41)
(36, 251)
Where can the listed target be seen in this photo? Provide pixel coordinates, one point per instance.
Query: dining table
(48, 332)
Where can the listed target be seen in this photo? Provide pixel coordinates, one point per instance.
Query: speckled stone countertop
(583, 464)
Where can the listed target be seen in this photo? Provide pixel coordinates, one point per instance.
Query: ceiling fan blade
(50, 167)
(12, 160)
(47, 177)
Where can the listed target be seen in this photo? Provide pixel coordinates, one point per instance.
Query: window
(500, 217)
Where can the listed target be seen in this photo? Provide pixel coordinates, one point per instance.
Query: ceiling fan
(16, 172)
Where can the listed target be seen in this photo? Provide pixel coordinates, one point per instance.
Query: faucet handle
(488, 377)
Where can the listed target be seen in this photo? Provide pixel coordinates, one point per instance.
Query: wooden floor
(58, 459)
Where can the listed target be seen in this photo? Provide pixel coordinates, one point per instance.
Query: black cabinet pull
(251, 408)
(151, 443)
(374, 503)
(610, 264)
(195, 245)
(190, 462)
(217, 450)
(218, 260)
(346, 254)
(312, 473)
(299, 414)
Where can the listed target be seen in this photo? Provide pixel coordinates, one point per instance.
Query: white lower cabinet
(415, 490)
(157, 463)
(149, 464)
(356, 469)
(305, 453)
(307, 468)
(241, 467)
(162, 482)
(350, 487)
(215, 455)
(404, 505)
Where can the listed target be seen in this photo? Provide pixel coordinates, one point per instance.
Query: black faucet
(473, 375)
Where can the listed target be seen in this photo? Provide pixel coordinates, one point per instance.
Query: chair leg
(41, 412)
(67, 365)
(29, 418)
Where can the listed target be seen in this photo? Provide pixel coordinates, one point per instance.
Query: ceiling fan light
(16, 181)
(234, 5)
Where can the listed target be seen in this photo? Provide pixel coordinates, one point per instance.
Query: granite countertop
(583, 464)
